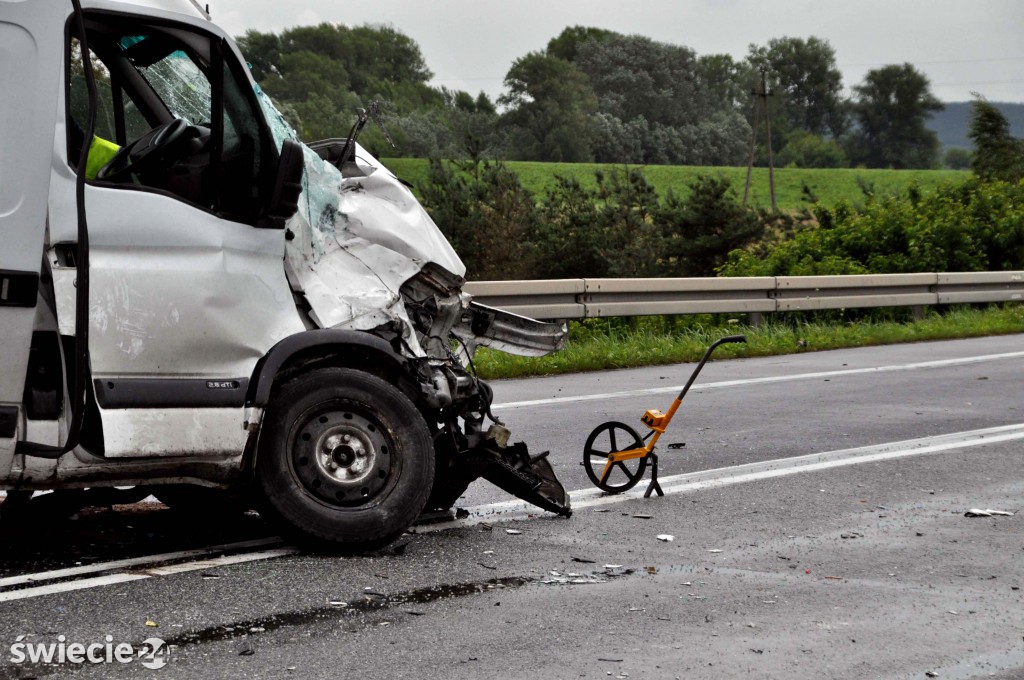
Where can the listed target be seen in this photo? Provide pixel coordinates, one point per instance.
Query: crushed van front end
(364, 255)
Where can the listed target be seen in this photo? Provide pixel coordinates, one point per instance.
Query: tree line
(623, 228)
(598, 95)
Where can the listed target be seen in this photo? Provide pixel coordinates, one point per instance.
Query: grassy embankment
(829, 185)
(595, 348)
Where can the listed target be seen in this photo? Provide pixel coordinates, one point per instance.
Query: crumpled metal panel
(355, 241)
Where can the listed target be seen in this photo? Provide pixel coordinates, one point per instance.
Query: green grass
(596, 349)
(829, 185)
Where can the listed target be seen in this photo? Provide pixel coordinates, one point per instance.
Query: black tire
(345, 460)
(606, 439)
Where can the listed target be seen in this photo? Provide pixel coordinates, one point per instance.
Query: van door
(30, 62)
(187, 291)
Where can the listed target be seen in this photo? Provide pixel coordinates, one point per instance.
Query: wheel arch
(322, 347)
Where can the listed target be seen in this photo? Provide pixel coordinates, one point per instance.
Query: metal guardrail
(583, 298)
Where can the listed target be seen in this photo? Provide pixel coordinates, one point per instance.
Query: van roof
(187, 8)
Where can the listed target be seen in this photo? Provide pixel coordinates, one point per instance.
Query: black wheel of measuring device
(606, 439)
(345, 460)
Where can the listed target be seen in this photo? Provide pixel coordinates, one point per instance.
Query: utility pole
(762, 99)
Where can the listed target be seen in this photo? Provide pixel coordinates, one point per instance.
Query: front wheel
(345, 459)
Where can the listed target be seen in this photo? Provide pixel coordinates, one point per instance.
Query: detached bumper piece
(527, 477)
(512, 469)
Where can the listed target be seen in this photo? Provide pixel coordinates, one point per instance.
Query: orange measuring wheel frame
(616, 456)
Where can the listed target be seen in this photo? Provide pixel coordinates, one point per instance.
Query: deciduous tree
(893, 104)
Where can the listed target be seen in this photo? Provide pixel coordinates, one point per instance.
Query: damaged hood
(355, 240)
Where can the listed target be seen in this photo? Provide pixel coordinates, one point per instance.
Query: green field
(829, 185)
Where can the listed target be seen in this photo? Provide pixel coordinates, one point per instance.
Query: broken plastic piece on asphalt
(513, 532)
(666, 537)
(337, 603)
(613, 566)
(152, 624)
(565, 580)
(210, 576)
(642, 516)
(715, 550)
(931, 674)
(989, 512)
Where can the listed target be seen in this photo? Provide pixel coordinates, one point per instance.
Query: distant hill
(951, 125)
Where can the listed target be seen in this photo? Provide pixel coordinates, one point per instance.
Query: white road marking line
(220, 561)
(942, 363)
(112, 579)
(133, 562)
(585, 498)
(750, 472)
(68, 586)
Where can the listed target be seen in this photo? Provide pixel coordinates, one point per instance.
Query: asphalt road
(859, 563)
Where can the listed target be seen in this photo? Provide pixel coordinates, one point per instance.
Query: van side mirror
(284, 200)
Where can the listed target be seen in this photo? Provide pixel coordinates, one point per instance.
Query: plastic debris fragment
(975, 512)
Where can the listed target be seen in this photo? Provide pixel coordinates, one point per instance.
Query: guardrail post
(754, 319)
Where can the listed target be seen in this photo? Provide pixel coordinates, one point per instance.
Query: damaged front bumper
(460, 402)
(364, 255)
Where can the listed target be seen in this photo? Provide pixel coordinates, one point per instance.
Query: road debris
(583, 560)
(513, 532)
(576, 580)
(667, 538)
(487, 566)
(852, 534)
(337, 603)
(715, 550)
(152, 624)
(989, 512)
(641, 516)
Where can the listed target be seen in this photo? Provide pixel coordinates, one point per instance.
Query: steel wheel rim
(342, 455)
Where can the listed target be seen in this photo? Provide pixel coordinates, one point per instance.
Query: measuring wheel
(608, 438)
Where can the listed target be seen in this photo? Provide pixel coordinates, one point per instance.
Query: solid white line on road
(125, 577)
(71, 572)
(68, 586)
(941, 363)
(220, 561)
(751, 472)
(582, 498)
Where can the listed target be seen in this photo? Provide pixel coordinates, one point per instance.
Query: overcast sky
(962, 45)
